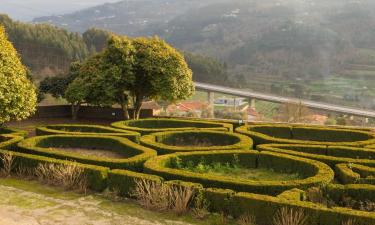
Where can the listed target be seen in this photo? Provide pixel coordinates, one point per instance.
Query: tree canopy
(17, 94)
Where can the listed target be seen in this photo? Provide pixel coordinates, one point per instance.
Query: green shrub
(355, 174)
(314, 173)
(80, 129)
(359, 192)
(8, 130)
(9, 141)
(134, 155)
(96, 175)
(370, 146)
(163, 142)
(147, 126)
(306, 135)
(330, 155)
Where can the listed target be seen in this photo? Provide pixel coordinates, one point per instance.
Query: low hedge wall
(134, 155)
(96, 175)
(81, 129)
(14, 131)
(312, 135)
(360, 192)
(9, 141)
(147, 126)
(330, 155)
(162, 142)
(370, 146)
(355, 174)
(315, 173)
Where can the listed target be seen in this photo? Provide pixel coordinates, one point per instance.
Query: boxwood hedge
(312, 135)
(96, 175)
(8, 141)
(147, 126)
(165, 142)
(8, 130)
(134, 155)
(330, 155)
(314, 172)
(81, 129)
(355, 174)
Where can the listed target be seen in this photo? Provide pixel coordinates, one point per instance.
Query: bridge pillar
(211, 102)
(251, 103)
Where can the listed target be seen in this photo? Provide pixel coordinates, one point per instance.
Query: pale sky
(26, 10)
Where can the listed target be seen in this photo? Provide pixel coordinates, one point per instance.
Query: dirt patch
(94, 152)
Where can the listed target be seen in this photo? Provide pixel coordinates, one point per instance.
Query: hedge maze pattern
(337, 161)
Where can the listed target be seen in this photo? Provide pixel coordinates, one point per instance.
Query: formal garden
(246, 174)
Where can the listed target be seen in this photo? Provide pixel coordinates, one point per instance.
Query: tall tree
(160, 72)
(17, 94)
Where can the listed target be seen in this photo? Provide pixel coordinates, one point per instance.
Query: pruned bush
(290, 216)
(68, 176)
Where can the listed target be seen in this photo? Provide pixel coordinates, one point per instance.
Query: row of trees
(127, 72)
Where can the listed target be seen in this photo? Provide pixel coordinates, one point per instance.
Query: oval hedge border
(139, 154)
(147, 126)
(155, 141)
(318, 173)
(325, 154)
(83, 129)
(355, 174)
(14, 131)
(8, 141)
(298, 134)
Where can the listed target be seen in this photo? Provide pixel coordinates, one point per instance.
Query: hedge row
(312, 135)
(262, 206)
(96, 175)
(9, 141)
(314, 173)
(163, 142)
(147, 126)
(330, 155)
(355, 174)
(80, 129)
(359, 192)
(134, 155)
(7, 130)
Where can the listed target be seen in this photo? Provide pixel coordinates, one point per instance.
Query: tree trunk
(137, 107)
(124, 106)
(75, 109)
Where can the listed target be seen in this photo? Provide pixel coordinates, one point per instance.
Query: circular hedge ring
(185, 141)
(7, 141)
(314, 173)
(147, 126)
(312, 135)
(107, 151)
(81, 129)
(330, 155)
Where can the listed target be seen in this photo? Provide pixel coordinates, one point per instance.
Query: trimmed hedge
(9, 141)
(134, 154)
(8, 130)
(360, 192)
(80, 129)
(147, 126)
(163, 142)
(355, 174)
(330, 155)
(315, 173)
(370, 146)
(312, 135)
(96, 175)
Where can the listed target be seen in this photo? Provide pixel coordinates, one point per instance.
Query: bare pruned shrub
(349, 222)
(161, 197)
(7, 160)
(68, 176)
(290, 216)
(246, 219)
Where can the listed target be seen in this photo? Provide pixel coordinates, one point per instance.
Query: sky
(26, 10)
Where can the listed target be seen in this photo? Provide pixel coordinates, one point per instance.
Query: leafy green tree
(160, 72)
(17, 94)
(96, 39)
